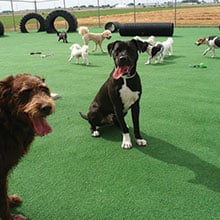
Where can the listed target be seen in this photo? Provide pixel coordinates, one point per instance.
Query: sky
(42, 4)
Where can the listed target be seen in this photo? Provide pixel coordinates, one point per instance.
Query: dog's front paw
(141, 142)
(96, 134)
(126, 143)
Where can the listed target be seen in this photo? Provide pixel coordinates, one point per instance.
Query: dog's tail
(83, 116)
(83, 30)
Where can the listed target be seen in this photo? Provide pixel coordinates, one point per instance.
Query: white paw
(95, 134)
(126, 143)
(141, 142)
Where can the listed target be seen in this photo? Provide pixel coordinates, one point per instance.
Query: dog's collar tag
(129, 76)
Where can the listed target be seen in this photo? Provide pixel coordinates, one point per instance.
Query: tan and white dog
(78, 51)
(97, 38)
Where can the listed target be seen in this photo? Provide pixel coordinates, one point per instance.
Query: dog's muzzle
(123, 67)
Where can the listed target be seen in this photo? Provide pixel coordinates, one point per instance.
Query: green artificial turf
(69, 175)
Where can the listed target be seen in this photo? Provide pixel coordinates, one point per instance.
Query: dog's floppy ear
(5, 88)
(41, 78)
(141, 46)
(111, 47)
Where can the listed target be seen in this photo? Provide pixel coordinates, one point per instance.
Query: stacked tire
(50, 20)
(30, 16)
(2, 29)
(48, 23)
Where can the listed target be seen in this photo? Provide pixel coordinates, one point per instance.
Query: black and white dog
(62, 36)
(159, 50)
(213, 42)
(119, 93)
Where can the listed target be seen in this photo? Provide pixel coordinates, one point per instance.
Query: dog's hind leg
(77, 60)
(213, 53)
(170, 51)
(95, 47)
(93, 122)
(94, 131)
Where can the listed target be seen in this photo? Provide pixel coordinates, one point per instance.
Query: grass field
(70, 175)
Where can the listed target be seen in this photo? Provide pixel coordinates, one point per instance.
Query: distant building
(121, 6)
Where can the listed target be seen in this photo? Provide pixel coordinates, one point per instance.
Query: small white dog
(159, 50)
(168, 46)
(78, 51)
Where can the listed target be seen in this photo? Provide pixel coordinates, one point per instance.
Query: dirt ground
(198, 16)
(185, 16)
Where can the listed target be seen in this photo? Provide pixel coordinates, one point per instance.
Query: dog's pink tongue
(41, 126)
(119, 71)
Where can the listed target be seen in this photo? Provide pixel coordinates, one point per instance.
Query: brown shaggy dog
(25, 102)
(96, 37)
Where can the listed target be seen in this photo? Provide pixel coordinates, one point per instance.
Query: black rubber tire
(113, 26)
(29, 16)
(2, 29)
(146, 29)
(50, 19)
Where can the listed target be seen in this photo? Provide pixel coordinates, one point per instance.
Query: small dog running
(78, 51)
(159, 50)
(62, 36)
(97, 38)
(25, 102)
(121, 92)
(213, 42)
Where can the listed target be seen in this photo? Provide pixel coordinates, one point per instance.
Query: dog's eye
(115, 53)
(46, 90)
(24, 95)
(26, 92)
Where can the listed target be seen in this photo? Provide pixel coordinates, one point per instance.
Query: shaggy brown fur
(96, 37)
(25, 102)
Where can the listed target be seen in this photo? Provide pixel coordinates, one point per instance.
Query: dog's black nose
(123, 58)
(46, 109)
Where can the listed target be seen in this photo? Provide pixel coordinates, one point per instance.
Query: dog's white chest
(128, 96)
